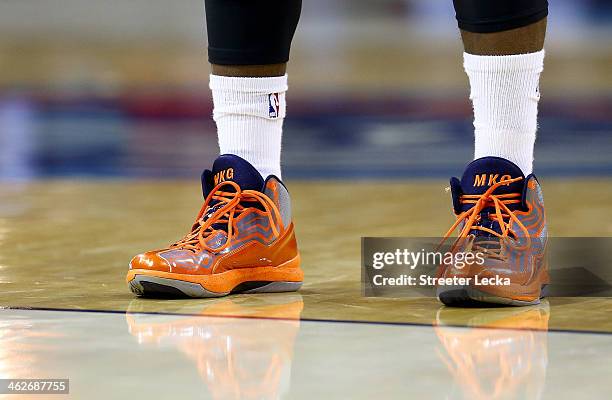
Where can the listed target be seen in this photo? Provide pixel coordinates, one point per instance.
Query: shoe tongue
(479, 176)
(484, 172)
(229, 167)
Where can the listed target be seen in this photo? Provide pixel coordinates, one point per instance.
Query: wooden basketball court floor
(68, 314)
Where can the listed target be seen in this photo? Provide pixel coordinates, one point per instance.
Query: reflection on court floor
(248, 358)
(507, 354)
(507, 361)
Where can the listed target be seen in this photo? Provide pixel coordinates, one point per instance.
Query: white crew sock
(249, 113)
(505, 95)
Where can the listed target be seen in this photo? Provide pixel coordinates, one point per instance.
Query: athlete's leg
(498, 202)
(248, 46)
(243, 238)
(503, 58)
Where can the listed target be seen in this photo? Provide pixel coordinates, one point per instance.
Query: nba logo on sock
(274, 105)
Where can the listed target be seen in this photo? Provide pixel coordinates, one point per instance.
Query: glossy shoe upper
(244, 222)
(500, 214)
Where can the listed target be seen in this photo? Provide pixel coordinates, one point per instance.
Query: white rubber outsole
(145, 285)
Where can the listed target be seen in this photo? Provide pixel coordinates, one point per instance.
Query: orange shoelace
(503, 215)
(226, 209)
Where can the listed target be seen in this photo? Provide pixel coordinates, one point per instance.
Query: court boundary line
(338, 321)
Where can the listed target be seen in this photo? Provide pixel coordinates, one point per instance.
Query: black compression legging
(487, 16)
(259, 32)
(251, 32)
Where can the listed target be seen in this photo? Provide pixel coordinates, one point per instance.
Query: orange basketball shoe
(500, 215)
(242, 241)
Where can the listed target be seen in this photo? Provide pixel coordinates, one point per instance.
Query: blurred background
(119, 89)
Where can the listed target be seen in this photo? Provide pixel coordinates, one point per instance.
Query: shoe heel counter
(287, 248)
(279, 194)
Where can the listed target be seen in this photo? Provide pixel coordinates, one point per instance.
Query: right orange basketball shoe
(242, 241)
(501, 221)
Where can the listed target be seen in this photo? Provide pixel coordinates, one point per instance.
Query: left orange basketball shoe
(501, 222)
(242, 241)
